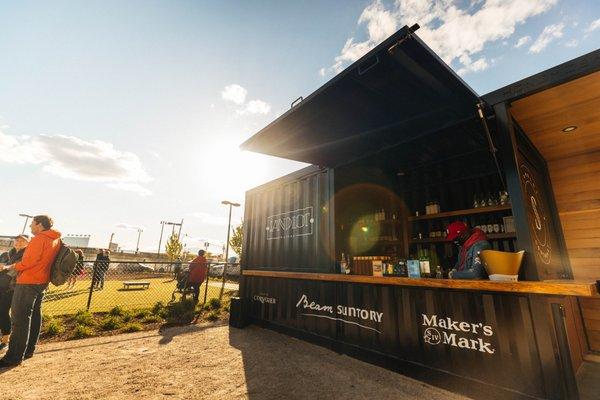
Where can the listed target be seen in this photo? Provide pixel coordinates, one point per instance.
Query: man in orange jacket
(33, 276)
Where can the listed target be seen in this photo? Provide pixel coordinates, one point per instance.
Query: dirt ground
(203, 362)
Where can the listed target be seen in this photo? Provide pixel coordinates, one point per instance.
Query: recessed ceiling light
(569, 128)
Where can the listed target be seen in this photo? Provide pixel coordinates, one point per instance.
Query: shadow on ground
(277, 366)
(169, 332)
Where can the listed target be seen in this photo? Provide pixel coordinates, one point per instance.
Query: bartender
(471, 243)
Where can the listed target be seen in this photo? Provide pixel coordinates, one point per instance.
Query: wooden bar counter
(558, 287)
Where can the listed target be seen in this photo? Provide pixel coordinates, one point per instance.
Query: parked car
(133, 267)
(217, 270)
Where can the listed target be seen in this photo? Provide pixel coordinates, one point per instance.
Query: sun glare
(230, 171)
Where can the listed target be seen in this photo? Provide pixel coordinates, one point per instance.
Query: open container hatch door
(397, 92)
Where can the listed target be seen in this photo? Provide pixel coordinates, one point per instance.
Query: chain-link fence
(102, 285)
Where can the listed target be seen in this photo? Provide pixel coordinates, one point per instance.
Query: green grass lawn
(60, 300)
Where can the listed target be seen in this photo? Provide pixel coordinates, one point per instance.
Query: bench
(136, 284)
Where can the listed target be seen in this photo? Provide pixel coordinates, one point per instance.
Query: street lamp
(231, 205)
(137, 247)
(27, 216)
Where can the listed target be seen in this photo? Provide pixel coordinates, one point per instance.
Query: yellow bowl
(502, 262)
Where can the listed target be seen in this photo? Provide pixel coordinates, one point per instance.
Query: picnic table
(136, 284)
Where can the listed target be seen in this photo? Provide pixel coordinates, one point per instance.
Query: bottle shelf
(469, 211)
(490, 236)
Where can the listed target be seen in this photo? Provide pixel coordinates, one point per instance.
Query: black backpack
(63, 266)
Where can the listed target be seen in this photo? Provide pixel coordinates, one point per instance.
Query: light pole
(112, 235)
(162, 228)
(27, 216)
(137, 247)
(163, 223)
(231, 205)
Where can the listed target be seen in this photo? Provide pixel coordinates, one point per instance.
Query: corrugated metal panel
(288, 223)
(489, 337)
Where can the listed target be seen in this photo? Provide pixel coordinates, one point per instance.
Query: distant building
(76, 240)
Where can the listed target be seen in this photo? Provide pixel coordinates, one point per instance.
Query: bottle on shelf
(482, 202)
(490, 225)
(496, 227)
(402, 269)
(483, 225)
(343, 264)
(424, 264)
(476, 201)
(438, 272)
(503, 197)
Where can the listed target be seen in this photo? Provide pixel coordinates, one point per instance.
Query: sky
(116, 115)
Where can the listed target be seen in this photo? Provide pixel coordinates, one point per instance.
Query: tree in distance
(236, 239)
(173, 247)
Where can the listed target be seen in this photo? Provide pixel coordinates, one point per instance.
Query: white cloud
(480, 64)
(593, 26)
(234, 93)
(523, 41)
(452, 32)
(74, 158)
(210, 219)
(572, 43)
(548, 35)
(123, 225)
(130, 187)
(322, 72)
(255, 107)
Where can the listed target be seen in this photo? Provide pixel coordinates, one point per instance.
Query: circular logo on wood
(432, 336)
(538, 222)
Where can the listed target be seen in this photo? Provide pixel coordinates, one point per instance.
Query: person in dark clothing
(7, 285)
(78, 271)
(471, 242)
(97, 270)
(177, 267)
(104, 267)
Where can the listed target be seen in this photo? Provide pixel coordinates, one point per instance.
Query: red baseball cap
(455, 229)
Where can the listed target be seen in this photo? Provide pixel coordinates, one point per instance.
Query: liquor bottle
(483, 225)
(343, 264)
(490, 199)
(490, 225)
(424, 265)
(402, 268)
(348, 266)
(438, 272)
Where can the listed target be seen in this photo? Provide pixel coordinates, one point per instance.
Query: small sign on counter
(414, 268)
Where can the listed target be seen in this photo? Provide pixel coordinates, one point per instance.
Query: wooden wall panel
(590, 309)
(576, 185)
